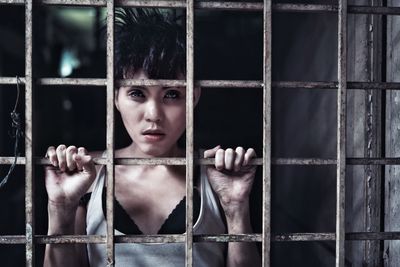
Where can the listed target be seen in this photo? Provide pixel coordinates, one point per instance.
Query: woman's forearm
(61, 222)
(241, 253)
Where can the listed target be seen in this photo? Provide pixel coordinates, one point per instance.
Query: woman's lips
(154, 137)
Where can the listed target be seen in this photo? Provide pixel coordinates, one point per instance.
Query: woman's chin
(156, 153)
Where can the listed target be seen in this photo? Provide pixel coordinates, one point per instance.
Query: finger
(52, 155)
(82, 152)
(229, 159)
(69, 155)
(250, 153)
(62, 163)
(239, 158)
(211, 152)
(86, 163)
(220, 159)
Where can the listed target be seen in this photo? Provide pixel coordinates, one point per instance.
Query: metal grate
(342, 10)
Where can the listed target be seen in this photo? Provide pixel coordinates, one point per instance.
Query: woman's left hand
(231, 177)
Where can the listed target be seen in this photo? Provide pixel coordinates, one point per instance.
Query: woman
(150, 199)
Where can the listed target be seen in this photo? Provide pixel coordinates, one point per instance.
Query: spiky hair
(150, 40)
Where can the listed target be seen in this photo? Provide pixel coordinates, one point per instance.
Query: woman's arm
(232, 179)
(60, 223)
(70, 176)
(241, 253)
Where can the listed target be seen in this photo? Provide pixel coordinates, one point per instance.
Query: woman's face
(154, 116)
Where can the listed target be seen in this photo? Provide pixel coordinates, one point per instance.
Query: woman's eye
(172, 94)
(136, 93)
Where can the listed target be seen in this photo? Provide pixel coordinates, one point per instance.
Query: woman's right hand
(70, 176)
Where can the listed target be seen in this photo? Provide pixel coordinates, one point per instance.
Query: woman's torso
(171, 254)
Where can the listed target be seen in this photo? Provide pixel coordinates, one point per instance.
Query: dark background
(228, 46)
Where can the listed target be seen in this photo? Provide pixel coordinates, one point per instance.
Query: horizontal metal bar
(228, 238)
(373, 161)
(218, 5)
(135, 82)
(150, 239)
(182, 161)
(303, 237)
(207, 83)
(286, 237)
(373, 236)
(72, 81)
(13, 239)
(70, 239)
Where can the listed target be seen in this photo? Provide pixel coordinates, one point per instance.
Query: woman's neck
(133, 151)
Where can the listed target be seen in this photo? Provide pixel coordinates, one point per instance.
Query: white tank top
(155, 254)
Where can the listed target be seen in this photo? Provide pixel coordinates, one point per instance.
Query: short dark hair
(151, 40)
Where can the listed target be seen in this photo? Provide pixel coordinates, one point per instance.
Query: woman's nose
(153, 112)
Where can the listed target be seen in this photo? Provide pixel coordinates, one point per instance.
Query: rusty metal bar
(218, 5)
(286, 237)
(110, 134)
(135, 82)
(70, 239)
(182, 161)
(189, 130)
(207, 83)
(266, 169)
(29, 164)
(341, 133)
(72, 81)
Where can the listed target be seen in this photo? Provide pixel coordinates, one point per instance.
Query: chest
(149, 198)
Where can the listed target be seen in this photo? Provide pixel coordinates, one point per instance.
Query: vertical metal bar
(29, 164)
(110, 134)
(341, 133)
(189, 131)
(373, 146)
(267, 64)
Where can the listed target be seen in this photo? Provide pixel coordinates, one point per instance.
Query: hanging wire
(16, 133)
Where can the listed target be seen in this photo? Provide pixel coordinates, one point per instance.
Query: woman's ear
(197, 94)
